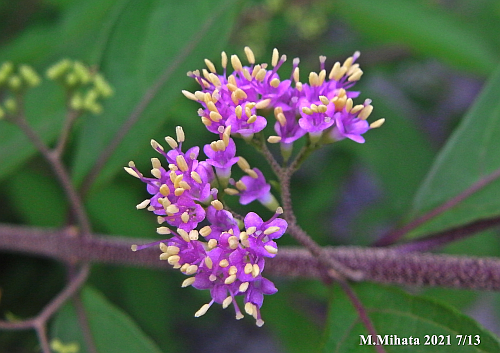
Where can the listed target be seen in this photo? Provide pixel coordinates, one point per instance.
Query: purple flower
(252, 189)
(221, 157)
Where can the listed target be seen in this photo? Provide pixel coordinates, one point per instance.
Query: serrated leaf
(395, 312)
(148, 39)
(112, 329)
(469, 159)
(424, 27)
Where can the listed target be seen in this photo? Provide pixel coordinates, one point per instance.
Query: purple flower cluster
(323, 107)
(225, 256)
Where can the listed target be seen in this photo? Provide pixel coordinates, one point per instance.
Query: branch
(381, 265)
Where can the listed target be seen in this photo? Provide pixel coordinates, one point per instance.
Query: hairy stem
(381, 265)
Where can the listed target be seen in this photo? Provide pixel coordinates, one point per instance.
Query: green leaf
(395, 312)
(424, 27)
(150, 39)
(112, 329)
(469, 158)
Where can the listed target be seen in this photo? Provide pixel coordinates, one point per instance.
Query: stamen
(355, 76)
(270, 249)
(377, 123)
(179, 191)
(243, 287)
(261, 75)
(255, 270)
(181, 163)
(196, 177)
(171, 142)
(275, 82)
(223, 59)
(203, 310)
(156, 173)
(208, 262)
(263, 104)
(365, 113)
(193, 235)
(187, 282)
(227, 302)
(250, 55)
(212, 243)
(230, 279)
(275, 57)
(248, 268)
(217, 205)
(143, 204)
(223, 263)
(180, 134)
(236, 63)
(271, 230)
(185, 185)
(172, 209)
(230, 191)
(156, 146)
(205, 231)
(214, 79)
(252, 119)
(184, 235)
(274, 139)
(210, 66)
(240, 185)
(132, 172)
(252, 173)
(251, 230)
(185, 217)
(189, 95)
(163, 230)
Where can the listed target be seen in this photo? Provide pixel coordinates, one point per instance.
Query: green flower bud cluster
(84, 86)
(14, 83)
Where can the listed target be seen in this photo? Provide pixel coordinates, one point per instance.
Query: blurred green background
(424, 64)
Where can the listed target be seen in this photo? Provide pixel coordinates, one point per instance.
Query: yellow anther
(357, 108)
(274, 139)
(275, 58)
(178, 191)
(205, 121)
(231, 192)
(133, 247)
(203, 310)
(261, 75)
(243, 287)
(211, 106)
(248, 268)
(251, 230)
(242, 163)
(255, 270)
(231, 87)
(214, 79)
(206, 74)
(249, 308)
(223, 263)
(131, 172)
(179, 132)
(339, 102)
(238, 111)
(252, 119)
(324, 100)
(171, 142)
(173, 260)
(187, 282)
(271, 230)
(183, 234)
(232, 270)
(271, 250)
(348, 62)
(215, 95)
(205, 231)
(377, 123)
(233, 242)
(275, 82)
(164, 190)
(365, 113)
(191, 270)
(250, 55)
(236, 63)
(313, 79)
(226, 302)
(185, 217)
(181, 163)
(355, 76)
(193, 235)
(321, 77)
(163, 230)
(314, 108)
(247, 74)
(296, 74)
(172, 209)
(196, 177)
(223, 57)
(230, 279)
(221, 146)
(210, 66)
(255, 69)
(217, 205)
(322, 108)
(263, 104)
(208, 262)
(156, 173)
(352, 69)
(164, 256)
(143, 204)
(348, 104)
(156, 146)
(177, 179)
(160, 219)
(212, 243)
(189, 95)
(241, 185)
(252, 173)
(307, 111)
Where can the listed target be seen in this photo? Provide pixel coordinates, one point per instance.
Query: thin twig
(84, 324)
(397, 234)
(70, 119)
(59, 170)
